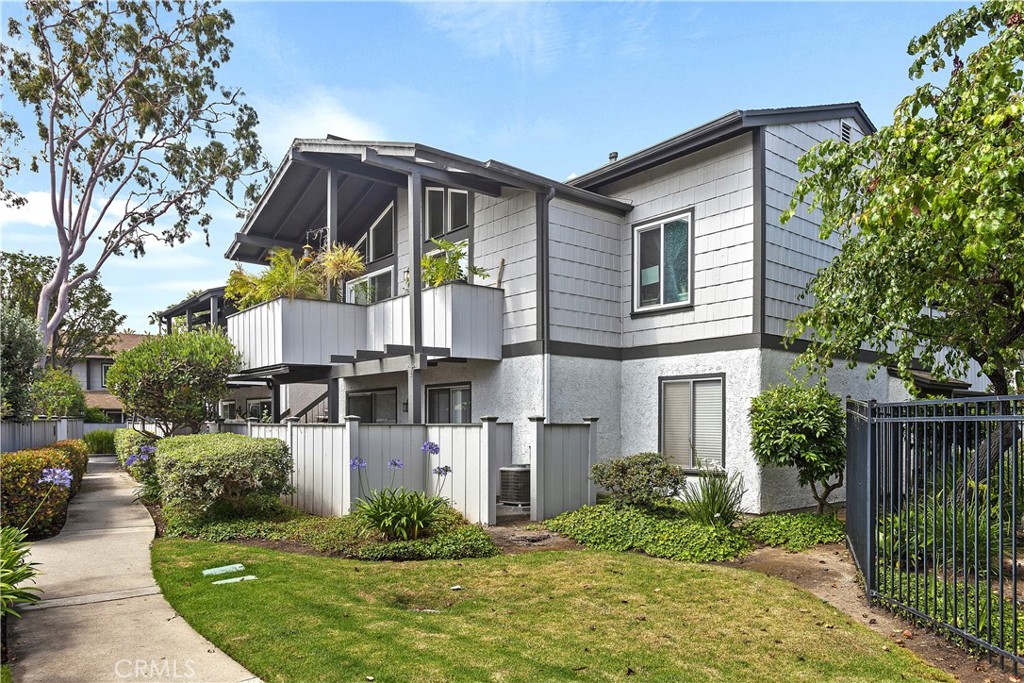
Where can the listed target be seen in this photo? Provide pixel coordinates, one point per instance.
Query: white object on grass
(249, 577)
(226, 569)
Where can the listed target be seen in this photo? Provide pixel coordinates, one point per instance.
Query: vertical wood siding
(324, 483)
(585, 274)
(506, 228)
(564, 469)
(16, 436)
(387, 322)
(464, 318)
(794, 252)
(718, 184)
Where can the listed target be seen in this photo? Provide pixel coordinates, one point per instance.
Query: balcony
(463, 319)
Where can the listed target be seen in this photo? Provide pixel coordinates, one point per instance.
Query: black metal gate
(935, 500)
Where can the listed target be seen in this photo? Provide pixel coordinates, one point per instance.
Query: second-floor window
(371, 288)
(447, 211)
(662, 262)
(379, 240)
(103, 374)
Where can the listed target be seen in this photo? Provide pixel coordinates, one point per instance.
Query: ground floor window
(260, 409)
(115, 416)
(692, 414)
(227, 410)
(373, 406)
(450, 404)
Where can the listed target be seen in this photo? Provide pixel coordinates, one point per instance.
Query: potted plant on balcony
(446, 265)
(288, 276)
(339, 264)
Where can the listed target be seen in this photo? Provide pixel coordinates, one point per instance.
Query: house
(652, 292)
(91, 373)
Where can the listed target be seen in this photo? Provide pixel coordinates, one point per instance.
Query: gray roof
(371, 171)
(729, 125)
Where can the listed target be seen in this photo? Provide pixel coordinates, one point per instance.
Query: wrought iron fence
(935, 503)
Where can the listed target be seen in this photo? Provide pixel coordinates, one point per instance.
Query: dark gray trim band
(739, 342)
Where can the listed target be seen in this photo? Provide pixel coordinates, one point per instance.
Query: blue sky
(552, 88)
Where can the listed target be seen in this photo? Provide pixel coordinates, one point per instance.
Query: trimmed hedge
(22, 493)
(128, 441)
(78, 459)
(612, 527)
(205, 474)
(100, 442)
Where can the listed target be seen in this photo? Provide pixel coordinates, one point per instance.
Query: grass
(552, 616)
(5, 674)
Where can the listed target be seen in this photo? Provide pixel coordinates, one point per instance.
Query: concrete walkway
(103, 617)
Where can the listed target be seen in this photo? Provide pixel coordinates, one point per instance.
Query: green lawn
(553, 616)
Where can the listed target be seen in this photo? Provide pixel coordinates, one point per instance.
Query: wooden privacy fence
(326, 483)
(15, 436)
(561, 458)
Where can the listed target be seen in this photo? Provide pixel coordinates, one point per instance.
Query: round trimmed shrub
(22, 493)
(221, 474)
(643, 479)
(127, 442)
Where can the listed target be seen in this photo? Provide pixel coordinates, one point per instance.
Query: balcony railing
(463, 319)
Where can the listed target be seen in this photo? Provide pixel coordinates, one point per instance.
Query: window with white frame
(373, 406)
(450, 404)
(379, 241)
(662, 262)
(103, 374)
(371, 288)
(227, 410)
(693, 420)
(463, 262)
(447, 210)
(259, 409)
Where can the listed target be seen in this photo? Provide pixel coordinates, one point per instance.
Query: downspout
(546, 284)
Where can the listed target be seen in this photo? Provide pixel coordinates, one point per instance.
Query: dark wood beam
(463, 181)
(351, 167)
(265, 242)
(366, 354)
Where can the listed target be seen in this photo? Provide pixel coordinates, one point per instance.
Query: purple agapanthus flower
(147, 451)
(357, 464)
(442, 470)
(431, 448)
(395, 464)
(58, 476)
(132, 459)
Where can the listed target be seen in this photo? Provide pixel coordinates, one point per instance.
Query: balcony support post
(415, 295)
(334, 400)
(275, 401)
(333, 220)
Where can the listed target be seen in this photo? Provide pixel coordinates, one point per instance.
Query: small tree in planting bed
(802, 427)
(174, 380)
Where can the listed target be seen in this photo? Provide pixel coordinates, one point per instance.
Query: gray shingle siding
(506, 228)
(794, 252)
(585, 274)
(718, 184)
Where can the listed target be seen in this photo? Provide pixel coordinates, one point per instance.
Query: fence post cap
(536, 418)
(591, 419)
(489, 418)
(352, 418)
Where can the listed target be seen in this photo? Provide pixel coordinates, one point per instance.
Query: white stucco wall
(511, 390)
(640, 410)
(779, 487)
(589, 387)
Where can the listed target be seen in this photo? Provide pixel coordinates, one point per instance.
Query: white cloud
(530, 34)
(313, 115)
(35, 212)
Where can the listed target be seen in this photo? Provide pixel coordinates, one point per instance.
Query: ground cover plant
(795, 532)
(562, 616)
(449, 537)
(659, 532)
